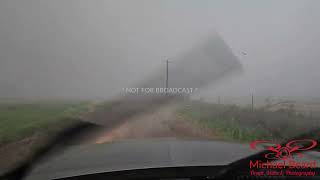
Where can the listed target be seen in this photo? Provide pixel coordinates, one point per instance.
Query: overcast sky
(93, 48)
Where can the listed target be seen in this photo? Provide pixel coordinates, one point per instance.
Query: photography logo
(283, 160)
(276, 151)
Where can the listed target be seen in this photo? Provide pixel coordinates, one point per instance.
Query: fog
(92, 49)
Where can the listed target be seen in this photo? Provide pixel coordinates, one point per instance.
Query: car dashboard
(191, 173)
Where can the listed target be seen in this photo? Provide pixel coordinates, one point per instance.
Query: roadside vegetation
(245, 124)
(21, 120)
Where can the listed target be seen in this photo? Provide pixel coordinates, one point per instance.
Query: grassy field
(242, 124)
(20, 120)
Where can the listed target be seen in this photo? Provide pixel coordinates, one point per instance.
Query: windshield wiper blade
(52, 146)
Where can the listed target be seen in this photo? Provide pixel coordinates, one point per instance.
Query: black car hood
(138, 154)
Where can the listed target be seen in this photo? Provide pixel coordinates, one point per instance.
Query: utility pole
(252, 102)
(167, 77)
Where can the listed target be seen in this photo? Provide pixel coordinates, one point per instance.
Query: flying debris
(243, 53)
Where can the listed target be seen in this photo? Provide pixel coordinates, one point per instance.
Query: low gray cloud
(92, 49)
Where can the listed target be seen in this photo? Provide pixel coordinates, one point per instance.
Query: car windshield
(235, 72)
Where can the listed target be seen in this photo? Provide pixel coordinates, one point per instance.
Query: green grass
(241, 124)
(103, 106)
(229, 130)
(20, 120)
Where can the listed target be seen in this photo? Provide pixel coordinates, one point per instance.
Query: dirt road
(163, 122)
